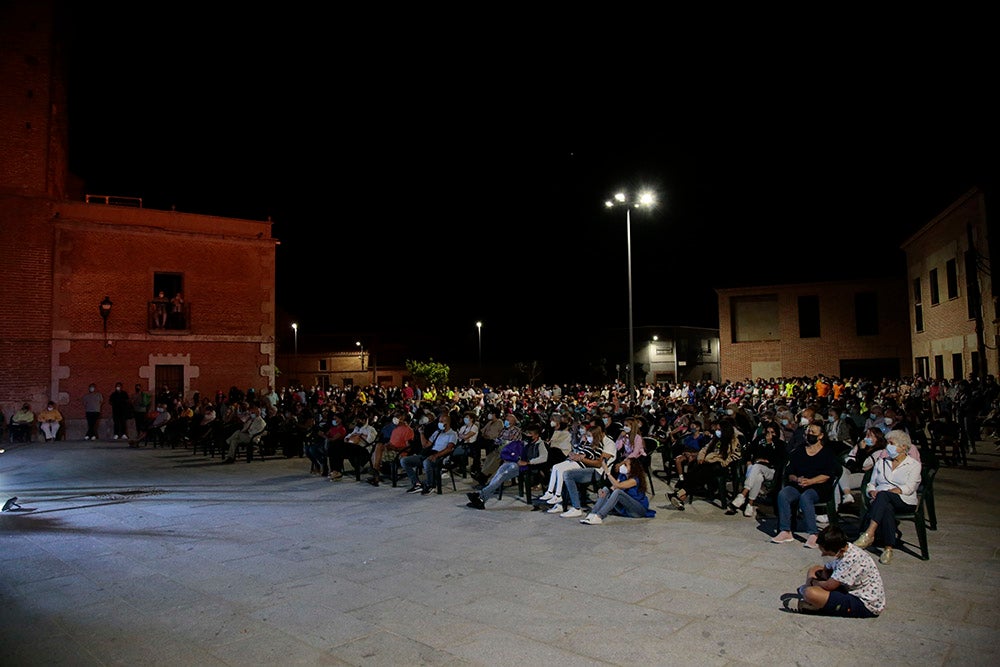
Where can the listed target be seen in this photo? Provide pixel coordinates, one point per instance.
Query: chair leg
(922, 537)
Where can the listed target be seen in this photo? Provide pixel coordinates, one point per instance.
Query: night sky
(419, 181)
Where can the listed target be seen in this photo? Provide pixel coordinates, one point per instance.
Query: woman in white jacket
(893, 488)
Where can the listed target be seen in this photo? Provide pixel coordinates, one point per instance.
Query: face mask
(830, 419)
(869, 442)
(784, 422)
(623, 469)
(812, 438)
(590, 438)
(395, 421)
(729, 412)
(626, 429)
(552, 424)
(334, 422)
(424, 420)
(718, 433)
(891, 451)
(506, 423)
(803, 422)
(607, 421)
(467, 420)
(440, 426)
(91, 389)
(888, 421)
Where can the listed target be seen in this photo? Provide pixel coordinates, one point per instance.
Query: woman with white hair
(892, 488)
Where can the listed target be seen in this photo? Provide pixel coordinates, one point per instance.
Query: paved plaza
(158, 556)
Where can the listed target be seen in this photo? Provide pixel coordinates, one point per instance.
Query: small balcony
(166, 317)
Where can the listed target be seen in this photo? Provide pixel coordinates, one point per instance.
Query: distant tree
(428, 372)
(532, 370)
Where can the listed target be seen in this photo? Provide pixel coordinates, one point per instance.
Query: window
(322, 365)
(706, 346)
(809, 316)
(923, 366)
(951, 278)
(956, 366)
(866, 313)
(754, 318)
(938, 366)
(918, 309)
(933, 280)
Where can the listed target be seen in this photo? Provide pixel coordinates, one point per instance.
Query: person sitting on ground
(394, 440)
(766, 455)
(721, 451)
(517, 457)
(892, 489)
(850, 585)
(21, 423)
(808, 472)
(49, 421)
(627, 495)
(435, 449)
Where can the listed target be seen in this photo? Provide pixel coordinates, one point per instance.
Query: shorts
(847, 605)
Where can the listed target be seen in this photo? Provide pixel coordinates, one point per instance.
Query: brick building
(845, 329)
(954, 324)
(64, 253)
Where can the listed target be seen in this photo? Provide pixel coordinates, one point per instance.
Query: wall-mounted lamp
(105, 309)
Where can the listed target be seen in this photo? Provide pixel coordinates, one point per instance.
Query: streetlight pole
(620, 199)
(295, 330)
(362, 357)
(479, 329)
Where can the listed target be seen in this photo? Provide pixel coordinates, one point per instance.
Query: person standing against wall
(121, 411)
(93, 400)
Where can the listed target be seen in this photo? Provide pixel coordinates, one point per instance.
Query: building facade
(81, 273)
(954, 325)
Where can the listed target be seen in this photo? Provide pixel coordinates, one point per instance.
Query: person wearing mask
(517, 457)
(93, 400)
(121, 411)
(394, 443)
(892, 488)
(808, 473)
(766, 455)
(140, 401)
(435, 449)
(49, 421)
(21, 424)
(626, 495)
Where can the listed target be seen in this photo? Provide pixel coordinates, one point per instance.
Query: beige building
(954, 328)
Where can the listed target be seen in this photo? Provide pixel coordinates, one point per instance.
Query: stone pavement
(148, 556)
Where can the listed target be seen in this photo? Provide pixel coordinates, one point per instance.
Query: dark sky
(420, 181)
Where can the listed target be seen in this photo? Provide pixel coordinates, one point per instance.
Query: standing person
(140, 407)
(850, 585)
(121, 411)
(176, 319)
(93, 400)
(160, 310)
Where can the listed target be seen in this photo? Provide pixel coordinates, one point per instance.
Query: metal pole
(479, 327)
(631, 352)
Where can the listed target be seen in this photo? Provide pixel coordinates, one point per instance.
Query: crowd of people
(795, 444)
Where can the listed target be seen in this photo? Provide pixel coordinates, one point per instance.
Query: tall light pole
(479, 329)
(645, 199)
(295, 330)
(362, 357)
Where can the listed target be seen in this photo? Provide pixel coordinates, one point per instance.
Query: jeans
(507, 470)
(579, 476)
(316, 451)
(620, 500)
(807, 503)
(883, 511)
(410, 464)
(757, 474)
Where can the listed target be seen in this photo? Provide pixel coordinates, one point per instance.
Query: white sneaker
(572, 513)
(555, 500)
(592, 520)
(750, 511)
(555, 509)
(822, 518)
(547, 495)
(116, 437)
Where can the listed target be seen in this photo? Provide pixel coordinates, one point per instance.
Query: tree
(428, 372)
(530, 369)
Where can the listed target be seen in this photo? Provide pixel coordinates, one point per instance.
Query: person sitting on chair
(252, 427)
(517, 456)
(21, 423)
(892, 488)
(50, 421)
(808, 473)
(435, 449)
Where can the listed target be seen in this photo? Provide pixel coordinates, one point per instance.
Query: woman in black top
(810, 477)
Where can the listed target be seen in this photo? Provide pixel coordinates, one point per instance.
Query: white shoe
(572, 513)
(116, 437)
(822, 518)
(750, 511)
(546, 496)
(592, 520)
(555, 500)
(555, 509)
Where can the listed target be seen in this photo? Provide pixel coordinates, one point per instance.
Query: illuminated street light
(479, 328)
(295, 329)
(645, 200)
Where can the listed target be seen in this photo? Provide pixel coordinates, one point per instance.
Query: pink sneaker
(811, 543)
(783, 537)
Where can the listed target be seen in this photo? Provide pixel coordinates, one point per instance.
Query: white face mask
(467, 420)
(395, 421)
(590, 438)
(626, 429)
(440, 426)
(888, 421)
(803, 422)
(553, 424)
(718, 434)
(623, 469)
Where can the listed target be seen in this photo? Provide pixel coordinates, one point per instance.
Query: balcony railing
(164, 317)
